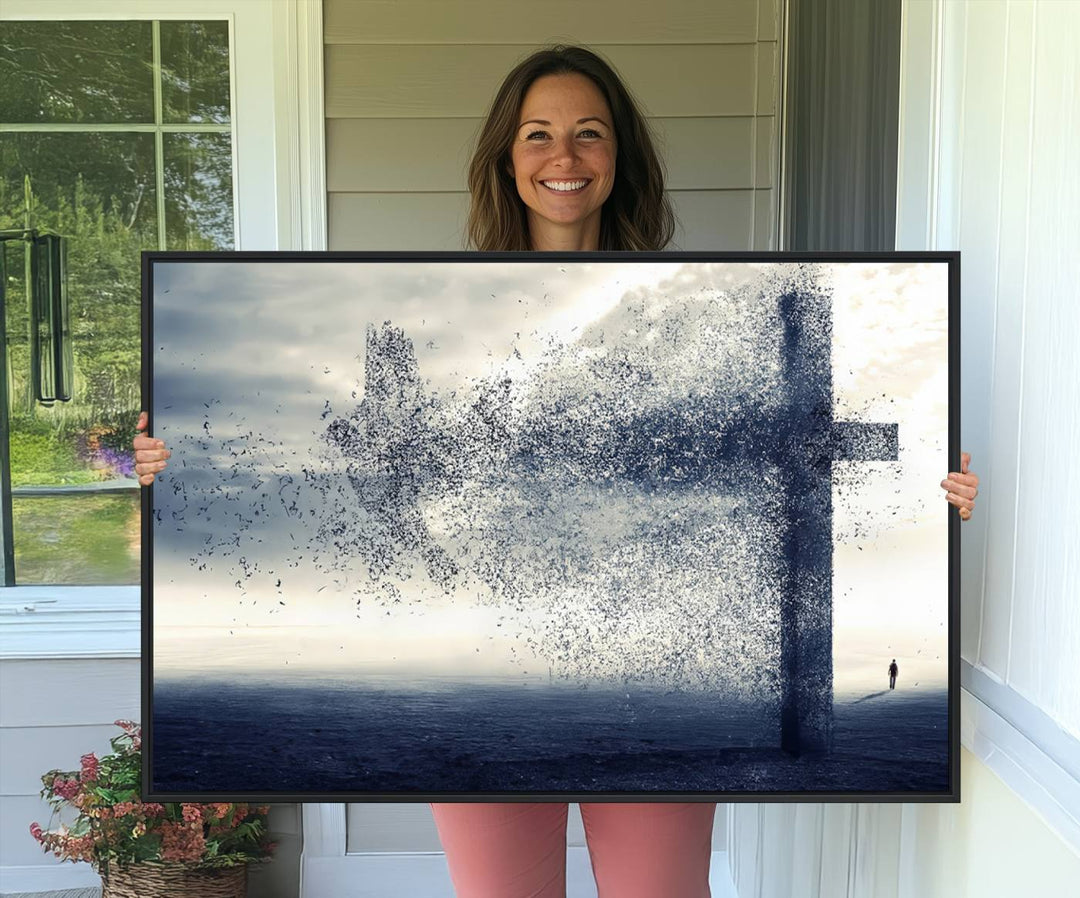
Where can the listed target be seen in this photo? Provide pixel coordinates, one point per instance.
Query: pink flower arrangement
(114, 826)
(89, 768)
(182, 842)
(66, 788)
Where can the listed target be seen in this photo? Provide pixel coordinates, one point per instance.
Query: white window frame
(279, 198)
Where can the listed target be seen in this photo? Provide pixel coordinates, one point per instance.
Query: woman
(565, 162)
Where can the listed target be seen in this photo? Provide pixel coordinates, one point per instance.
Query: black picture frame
(202, 740)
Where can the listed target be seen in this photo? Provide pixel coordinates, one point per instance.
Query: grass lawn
(77, 540)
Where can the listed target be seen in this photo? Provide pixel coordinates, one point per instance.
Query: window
(276, 93)
(118, 136)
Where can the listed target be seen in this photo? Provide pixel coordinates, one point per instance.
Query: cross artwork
(808, 436)
(528, 544)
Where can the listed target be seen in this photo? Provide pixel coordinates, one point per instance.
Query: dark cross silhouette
(810, 442)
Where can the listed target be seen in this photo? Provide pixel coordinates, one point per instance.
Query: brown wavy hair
(636, 216)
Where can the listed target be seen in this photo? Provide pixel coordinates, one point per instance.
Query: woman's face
(563, 159)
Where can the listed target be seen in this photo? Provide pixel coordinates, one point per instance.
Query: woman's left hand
(962, 487)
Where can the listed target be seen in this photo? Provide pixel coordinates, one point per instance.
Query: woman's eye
(588, 132)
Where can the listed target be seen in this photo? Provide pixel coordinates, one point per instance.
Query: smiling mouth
(567, 187)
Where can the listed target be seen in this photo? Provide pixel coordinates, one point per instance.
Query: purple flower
(121, 463)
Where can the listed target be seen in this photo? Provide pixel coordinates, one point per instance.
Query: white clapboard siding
(714, 219)
(17, 846)
(766, 220)
(29, 751)
(523, 22)
(764, 158)
(1043, 623)
(408, 84)
(767, 88)
(396, 221)
(73, 692)
(1013, 154)
(1004, 189)
(768, 23)
(706, 219)
(387, 155)
(669, 80)
(970, 223)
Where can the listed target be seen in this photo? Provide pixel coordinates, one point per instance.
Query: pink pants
(516, 850)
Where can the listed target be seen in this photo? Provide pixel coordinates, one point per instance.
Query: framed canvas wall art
(457, 526)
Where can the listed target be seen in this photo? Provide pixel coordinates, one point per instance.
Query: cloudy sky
(253, 360)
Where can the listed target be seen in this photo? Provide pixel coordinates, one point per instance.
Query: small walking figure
(893, 671)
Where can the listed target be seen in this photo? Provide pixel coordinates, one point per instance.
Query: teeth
(564, 185)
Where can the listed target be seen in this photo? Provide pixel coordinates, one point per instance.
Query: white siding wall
(989, 141)
(1013, 209)
(408, 83)
(1000, 161)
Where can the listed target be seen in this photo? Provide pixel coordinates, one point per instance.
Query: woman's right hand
(150, 454)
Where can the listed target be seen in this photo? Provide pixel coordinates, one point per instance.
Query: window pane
(76, 72)
(115, 171)
(198, 192)
(77, 540)
(195, 71)
(98, 191)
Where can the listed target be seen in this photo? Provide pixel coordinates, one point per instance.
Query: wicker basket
(163, 880)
